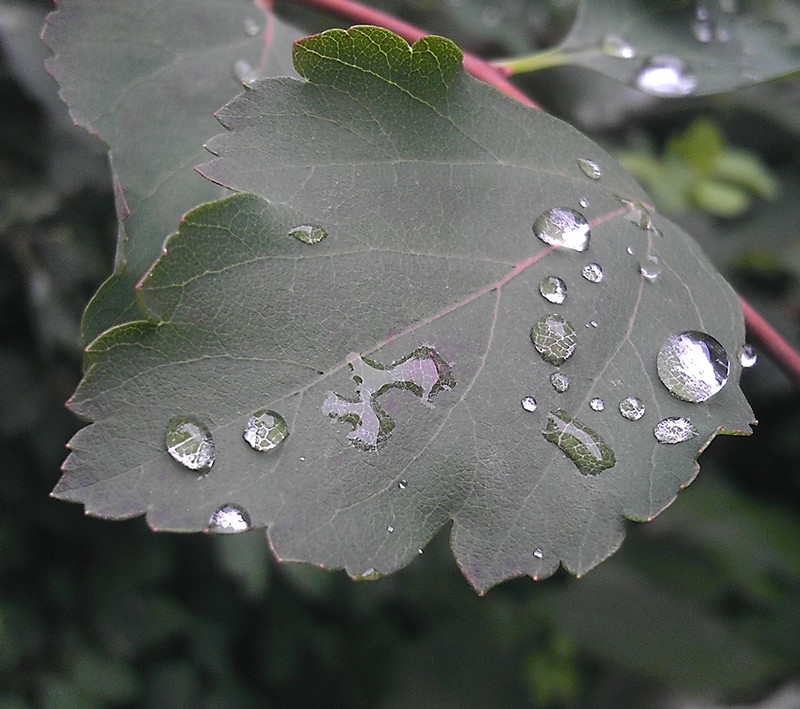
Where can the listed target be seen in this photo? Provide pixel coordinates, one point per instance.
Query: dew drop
(617, 47)
(563, 227)
(189, 441)
(529, 403)
(560, 381)
(590, 168)
(583, 202)
(597, 404)
(265, 430)
(593, 272)
(251, 27)
(637, 214)
(668, 76)
(747, 356)
(229, 519)
(554, 339)
(538, 553)
(693, 366)
(390, 529)
(591, 323)
(308, 234)
(584, 447)
(651, 268)
(631, 408)
(244, 72)
(553, 289)
(629, 251)
(674, 430)
(402, 485)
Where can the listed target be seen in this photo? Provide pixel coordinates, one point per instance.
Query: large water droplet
(668, 76)
(693, 366)
(617, 47)
(265, 430)
(590, 168)
(584, 447)
(747, 356)
(244, 72)
(674, 430)
(631, 408)
(529, 403)
(560, 381)
(651, 268)
(597, 404)
(592, 272)
(538, 553)
(563, 227)
(229, 519)
(189, 441)
(251, 27)
(553, 289)
(554, 339)
(308, 234)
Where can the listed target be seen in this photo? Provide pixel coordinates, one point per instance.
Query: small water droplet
(693, 366)
(560, 381)
(631, 408)
(597, 404)
(529, 403)
(403, 484)
(747, 356)
(617, 47)
(244, 72)
(229, 519)
(593, 272)
(308, 234)
(189, 441)
(590, 168)
(563, 227)
(265, 430)
(538, 553)
(674, 430)
(591, 323)
(651, 268)
(583, 202)
(553, 289)
(637, 214)
(390, 529)
(554, 339)
(367, 575)
(251, 27)
(668, 76)
(584, 446)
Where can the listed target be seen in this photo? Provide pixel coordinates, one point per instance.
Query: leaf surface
(147, 76)
(397, 348)
(715, 49)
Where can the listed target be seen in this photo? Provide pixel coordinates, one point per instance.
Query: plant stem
(765, 336)
(535, 62)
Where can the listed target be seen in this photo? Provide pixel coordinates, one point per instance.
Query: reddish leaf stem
(767, 338)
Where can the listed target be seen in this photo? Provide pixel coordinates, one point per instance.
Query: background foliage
(701, 605)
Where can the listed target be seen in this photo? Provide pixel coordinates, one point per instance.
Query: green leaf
(398, 348)
(674, 48)
(147, 76)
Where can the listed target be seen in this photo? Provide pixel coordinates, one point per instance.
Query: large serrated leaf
(147, 76)
(398, 348)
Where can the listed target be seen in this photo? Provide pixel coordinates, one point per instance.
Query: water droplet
(554, 339)
(244, 72)
(308, 234)
(265, 429)
(538, 553)
(651, 268)
(629, 251)
(251, 27)
(592, 272)
(637, 214)
(591, 323)
(560, 381)
(747, 356)
(529, 403)
(668, 76)
(390, 529)
(563, 227)
(368, 575)
(710, 25)
(597, 404)
(189, 441)
(693, 366)
(617, 47)
(403, 484)
(631, 408)
(583, 202)
(674, 430)
(584, 447)
(229, 519)
(590, 168)
(553, 289)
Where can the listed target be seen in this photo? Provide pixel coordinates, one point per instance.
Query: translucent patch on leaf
(584, 446)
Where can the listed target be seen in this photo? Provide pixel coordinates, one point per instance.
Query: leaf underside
(397, 348)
